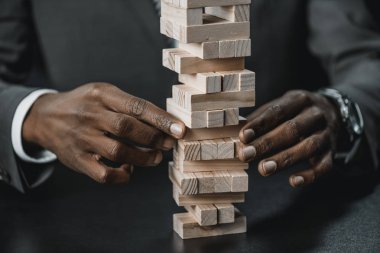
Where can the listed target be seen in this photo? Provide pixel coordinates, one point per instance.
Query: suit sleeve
(15, 63)
(346, 39)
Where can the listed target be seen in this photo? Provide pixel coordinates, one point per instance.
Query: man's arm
(306, 127)
(344, 35)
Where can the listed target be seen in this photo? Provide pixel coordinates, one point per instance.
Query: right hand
(97, 121)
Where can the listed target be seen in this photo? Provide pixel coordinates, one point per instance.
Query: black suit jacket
(297, 44)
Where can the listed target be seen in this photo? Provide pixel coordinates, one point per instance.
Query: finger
(92, 167)
(119, 152)
(125, 126)
(287, 134)
(143, 110)
(307, 177)
(278, 112)
(304, 150)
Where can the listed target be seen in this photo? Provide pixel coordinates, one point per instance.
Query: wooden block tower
(213, 39)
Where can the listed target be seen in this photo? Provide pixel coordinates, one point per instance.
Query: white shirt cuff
(44, 156)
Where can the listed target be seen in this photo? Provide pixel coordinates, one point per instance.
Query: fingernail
(249, 135)
(269, 168)
(298, 181)
(249, 152)
(168, 143)
(176, 129)
(158, 158)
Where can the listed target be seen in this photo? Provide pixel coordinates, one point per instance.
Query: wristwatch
(352, 120)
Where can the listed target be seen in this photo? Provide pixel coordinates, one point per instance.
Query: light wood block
(227, 48)
(187, 228)
(226, 148)
(213, 29)
(190, 149)
(206, 182)
(230, 80)
(239, 181)
(215, 118)
(205, 3)
(205, 82)
(204, 50)
(182, 16)
(215, 133)
(186, 63)
(209, 150)
(247, 80)
(231, 116)
(211, 165)
(226, 213)
(204, 215)
(206, 199)
(190, 119)
(195, 101)
(222, 181)
(235, 13)
(187, 182)
(243, 48)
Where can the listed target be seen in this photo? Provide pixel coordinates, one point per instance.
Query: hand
(299, 126)
(98, 121)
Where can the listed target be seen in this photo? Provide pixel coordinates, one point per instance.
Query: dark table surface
(70, 213)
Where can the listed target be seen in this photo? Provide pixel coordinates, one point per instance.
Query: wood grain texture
(204, 215)
(187, 228)
(213, 29)
(215, 133)
(239, 181)
(205, 3)
(190, 149)
(227, 48)
(195, 101)
(204, 82)
(231, 116)
(211, 165)
(182, 16)
(243, 48)
(234, 13)
(206, 199)
(230, 80)
(187, 182)
(226, 148)
(192, 120)
(226, 213)
(215, 118)
(204, 50)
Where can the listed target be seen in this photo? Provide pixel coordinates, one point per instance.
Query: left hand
(299, 126)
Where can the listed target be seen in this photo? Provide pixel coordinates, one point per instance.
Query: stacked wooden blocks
(213, 39)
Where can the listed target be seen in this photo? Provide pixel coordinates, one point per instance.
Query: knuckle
(313, 144)
(136, 106)
(95, 90)
(300, 95)
(292, 129)
(286, 159)
(115, 151)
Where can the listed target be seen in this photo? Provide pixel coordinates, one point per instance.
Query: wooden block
(235, 13)
(222, 181)
(247, 80)
(226, 148)
(227, 48)
(209, 150)
(206, 182)
(186, 63)
(167, 28)
(182, 16)
(213, 29)
(239, 181)
(187, 182)
(204, 50)
(205, 82)
(215, 118)
(190, 149)
(231, 116)
(186, 227)
(243, 48)
(206, 199)
(226, 213)
(191, 119)
(210, 165)
(194, 101)
(205, 3)
(205, 215)
(230, 80)
(215, 133)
